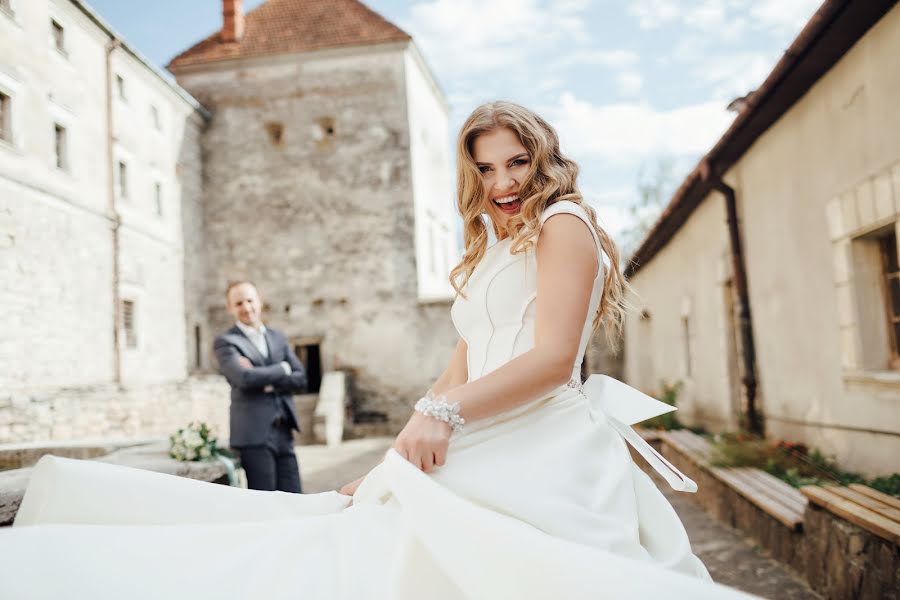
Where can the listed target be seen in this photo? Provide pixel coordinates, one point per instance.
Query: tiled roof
(284, 26)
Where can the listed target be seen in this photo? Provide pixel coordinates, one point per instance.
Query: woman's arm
(567, 265)
(456, 373)
(566, 268)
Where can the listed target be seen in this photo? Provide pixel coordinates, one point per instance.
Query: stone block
(330, 414)
(884, 197)
(835, 215)
(849, 347)
(849, 212)
(841, 261)
(895, 184)
(865, 204)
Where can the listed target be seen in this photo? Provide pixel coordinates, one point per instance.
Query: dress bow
(623, 406)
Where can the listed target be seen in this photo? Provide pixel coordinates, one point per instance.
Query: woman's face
(503, 162)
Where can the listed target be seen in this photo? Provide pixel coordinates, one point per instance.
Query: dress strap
(623, 406)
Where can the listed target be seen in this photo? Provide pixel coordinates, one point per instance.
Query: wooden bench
(853, 537)
(779, 499)
(861, 505)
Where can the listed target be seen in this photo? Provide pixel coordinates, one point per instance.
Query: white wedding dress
(541, 502)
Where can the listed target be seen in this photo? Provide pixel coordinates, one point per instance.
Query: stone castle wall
(308, 193)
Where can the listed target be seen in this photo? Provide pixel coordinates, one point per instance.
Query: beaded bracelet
(438, 408)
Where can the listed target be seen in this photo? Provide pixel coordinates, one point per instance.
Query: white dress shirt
(258, 337)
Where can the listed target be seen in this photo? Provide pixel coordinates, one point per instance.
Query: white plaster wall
(436, 244)
(845, 130)
(685, 278)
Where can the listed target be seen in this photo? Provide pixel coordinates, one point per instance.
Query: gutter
(115, 217)
(829, 34)
(750, 414)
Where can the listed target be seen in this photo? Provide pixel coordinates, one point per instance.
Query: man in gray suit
(264, 373)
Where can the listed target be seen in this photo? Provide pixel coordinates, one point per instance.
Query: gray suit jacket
(254, 410)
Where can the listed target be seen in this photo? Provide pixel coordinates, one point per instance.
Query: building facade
(126, 205)
(813, 167)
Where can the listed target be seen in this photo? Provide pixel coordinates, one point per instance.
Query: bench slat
(854, 513)
(774, 488)
(873, 493)
(865, 501)
(778, 511)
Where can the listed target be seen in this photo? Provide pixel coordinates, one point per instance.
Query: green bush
(794, 463)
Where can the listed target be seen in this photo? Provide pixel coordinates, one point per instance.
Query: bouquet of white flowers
(197, 442)
(194, 442)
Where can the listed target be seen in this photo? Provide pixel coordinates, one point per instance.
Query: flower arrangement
(194, 442)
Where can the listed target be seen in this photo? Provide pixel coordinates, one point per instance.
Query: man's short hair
(234, 284)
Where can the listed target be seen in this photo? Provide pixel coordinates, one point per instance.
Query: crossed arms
(256, 379)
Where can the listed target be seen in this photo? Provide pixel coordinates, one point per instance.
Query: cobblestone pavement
(731, 558)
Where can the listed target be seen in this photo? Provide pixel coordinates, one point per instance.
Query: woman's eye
(484, 169)
(519, 161)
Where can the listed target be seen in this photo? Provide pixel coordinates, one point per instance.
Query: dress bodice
(497, 317)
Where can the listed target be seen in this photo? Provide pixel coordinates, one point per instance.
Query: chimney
(232, 20)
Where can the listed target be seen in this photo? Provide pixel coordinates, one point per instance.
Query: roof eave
(829, 34)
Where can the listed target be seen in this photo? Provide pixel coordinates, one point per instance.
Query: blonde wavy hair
(550, 178)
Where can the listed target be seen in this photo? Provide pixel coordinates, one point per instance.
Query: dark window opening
(5, 118)
(276, 132)
(60, 146)
(312, 362)
(158, 197)
(128, 323)
(120, 88)
(890, 270)
(123, 180)
(198, 348)
(59, 36)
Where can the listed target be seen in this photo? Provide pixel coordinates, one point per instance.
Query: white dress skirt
(540, 502)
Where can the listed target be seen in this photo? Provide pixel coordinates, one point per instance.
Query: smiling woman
(512, 478)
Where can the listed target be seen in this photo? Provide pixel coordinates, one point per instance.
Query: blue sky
(625, 83)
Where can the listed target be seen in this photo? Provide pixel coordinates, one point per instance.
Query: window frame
(121, 88)
(891, 319)
(129, 323)
(122, 168)
(6, 117)
(58, 37)
(61, 151)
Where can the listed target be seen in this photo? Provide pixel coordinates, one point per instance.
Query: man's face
(244, 304)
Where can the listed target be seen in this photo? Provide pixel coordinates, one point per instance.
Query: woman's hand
(424, 442)
(350, 488)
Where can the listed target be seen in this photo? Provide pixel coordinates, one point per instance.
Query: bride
(512, 479)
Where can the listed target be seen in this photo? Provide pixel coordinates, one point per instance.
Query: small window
(686, 334)
(154, 116)
(58, 34)
(5, 118)
(120, 88)
(60, 137)
(158, 198)
(123, 180)
(890, 272)
(128, 323)
(6, 7)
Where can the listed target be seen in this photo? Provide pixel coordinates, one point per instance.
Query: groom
(264, 373)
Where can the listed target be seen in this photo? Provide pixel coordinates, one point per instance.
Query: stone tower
(327, 182)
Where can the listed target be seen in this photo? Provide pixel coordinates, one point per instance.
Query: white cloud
(616, 59)
(468, 37)
(630, 82)
(654, 13)
(731, 75)
(625, 133)
(784, 16)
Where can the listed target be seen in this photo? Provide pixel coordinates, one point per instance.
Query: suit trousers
(273, 465)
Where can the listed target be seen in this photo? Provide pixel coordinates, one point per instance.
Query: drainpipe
(113, 213)
(754, 421)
